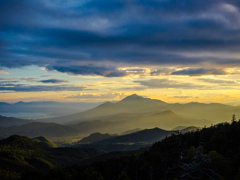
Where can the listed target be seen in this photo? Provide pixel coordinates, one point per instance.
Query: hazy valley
(133, 112)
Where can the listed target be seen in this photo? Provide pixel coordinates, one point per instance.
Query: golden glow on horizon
(162, 86)
(167, 95)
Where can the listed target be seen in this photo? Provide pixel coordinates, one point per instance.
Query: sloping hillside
(211, 153)
(131, 131)
(20, 154)
(133, 104)
(131, 141)
(43, 109)
(10, 121)
(97, 137)
(120, 122)
(144, 136)
(45, 142)
(35, 129)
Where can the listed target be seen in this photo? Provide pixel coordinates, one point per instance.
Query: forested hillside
(20, 155)
(212, 153)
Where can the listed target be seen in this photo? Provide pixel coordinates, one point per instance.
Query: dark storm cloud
(199, 72)
(62, 34)
(89, 70)
(54, 81)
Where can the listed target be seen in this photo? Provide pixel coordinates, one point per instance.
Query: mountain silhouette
(139, 112)
(133, 141)
(96, 137)
(43, 141)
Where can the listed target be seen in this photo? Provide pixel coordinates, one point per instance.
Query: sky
(100, 50)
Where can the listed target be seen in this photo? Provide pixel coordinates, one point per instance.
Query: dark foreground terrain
(210, 153)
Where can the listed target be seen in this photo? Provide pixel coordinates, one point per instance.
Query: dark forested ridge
(96, 137)
(133, 141)
(19, 155)
(210, 153)
(43, 141)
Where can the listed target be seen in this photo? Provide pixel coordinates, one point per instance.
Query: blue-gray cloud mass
(37, 88)
(89, 70)
(54, 81)
(166, 83)
(199, 71)
(69, 35)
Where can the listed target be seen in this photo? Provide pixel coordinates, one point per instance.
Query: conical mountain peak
(133, 97)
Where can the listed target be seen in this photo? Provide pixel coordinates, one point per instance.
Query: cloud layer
(71, 36)
(54, 81)
(199, 72)
(110, 96)
(166, 83)
(37, 88)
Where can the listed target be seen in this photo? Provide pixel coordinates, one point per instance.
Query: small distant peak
(156, 129)
(133, 97)
(20, 102)
(105, 104)
(14, 137)
(41, 138)
(194, 103)
(168, 112)
(96, 134)
(44, 142)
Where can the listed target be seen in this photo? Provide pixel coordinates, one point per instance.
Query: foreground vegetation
(210, 153)
(20, 155)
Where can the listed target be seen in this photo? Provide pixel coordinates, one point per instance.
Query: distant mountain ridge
(134, 104)
(35, 129)
(97, 137)
(45, 108)
(131, 141)
(131, 131)
(130, 113)
(120, 122)
(10, 121)
(145, 136)
(130, 104)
